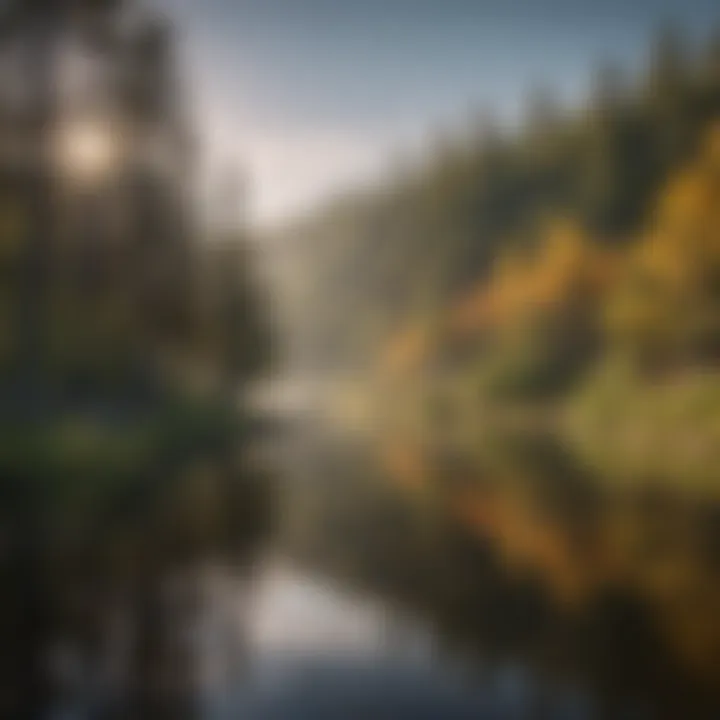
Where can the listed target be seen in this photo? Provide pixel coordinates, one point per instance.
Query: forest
(126, 334)
(566, 272)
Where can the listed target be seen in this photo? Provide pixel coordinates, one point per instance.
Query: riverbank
(624, 428)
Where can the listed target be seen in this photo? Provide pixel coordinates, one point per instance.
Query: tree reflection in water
(519, 558)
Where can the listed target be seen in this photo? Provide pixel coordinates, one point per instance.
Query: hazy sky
(314, 95)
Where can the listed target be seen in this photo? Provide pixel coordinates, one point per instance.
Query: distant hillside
(377, 263)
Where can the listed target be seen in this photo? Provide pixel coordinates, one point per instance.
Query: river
(409, 581)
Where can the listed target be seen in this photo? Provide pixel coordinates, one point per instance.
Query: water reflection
(320, 651)
(405, 581)
(517, 557)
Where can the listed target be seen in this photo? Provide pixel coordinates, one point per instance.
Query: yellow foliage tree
(565, 272)
(666, 309)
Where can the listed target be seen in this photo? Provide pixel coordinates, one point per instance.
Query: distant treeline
(530, 252)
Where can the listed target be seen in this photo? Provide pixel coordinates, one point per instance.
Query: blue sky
(314, 95)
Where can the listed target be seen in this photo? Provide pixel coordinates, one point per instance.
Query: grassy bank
(663, 432)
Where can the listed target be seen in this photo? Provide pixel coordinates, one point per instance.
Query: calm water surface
(424, 582)
(403, 580)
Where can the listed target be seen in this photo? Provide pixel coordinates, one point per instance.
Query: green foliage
(410, 250)
(640, 433)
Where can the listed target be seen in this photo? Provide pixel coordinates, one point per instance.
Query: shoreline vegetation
(627, 432)
(564, 277)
